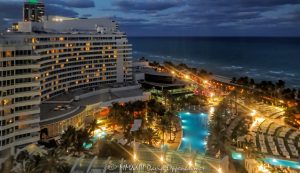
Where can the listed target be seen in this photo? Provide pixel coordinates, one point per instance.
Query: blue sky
(178, 17)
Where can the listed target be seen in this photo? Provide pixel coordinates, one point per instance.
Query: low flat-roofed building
(79, 107)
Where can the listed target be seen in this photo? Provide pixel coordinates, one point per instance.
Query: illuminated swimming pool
(97, 136)
(283, 163)
(195, 131)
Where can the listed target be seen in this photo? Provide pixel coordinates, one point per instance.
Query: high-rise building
(33, 11)
(69, 54)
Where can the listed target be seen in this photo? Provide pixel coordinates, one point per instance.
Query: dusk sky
(178, 17)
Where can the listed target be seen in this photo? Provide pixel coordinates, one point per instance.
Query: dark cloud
(72, 3)
(242, 3)
(9, 12)
(180, 17)
(12, 11)
(86, 15)
(52, 9)
(147, 5)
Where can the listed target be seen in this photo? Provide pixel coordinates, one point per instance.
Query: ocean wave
(296, 86)
(275, 72)
(290, 74)
(232, 67)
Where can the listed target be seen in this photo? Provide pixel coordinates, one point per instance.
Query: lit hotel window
(8, 54)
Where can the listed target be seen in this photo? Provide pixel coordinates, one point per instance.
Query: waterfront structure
(33, 11)
(52, 58)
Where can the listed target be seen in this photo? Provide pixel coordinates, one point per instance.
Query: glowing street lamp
(253, 113)
(187, 77)
(212, 110)
(190, 163)
(162, 158)
(134, 157)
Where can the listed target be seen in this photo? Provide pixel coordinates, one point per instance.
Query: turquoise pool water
(195, 131)
(283, 163)
(96, 137)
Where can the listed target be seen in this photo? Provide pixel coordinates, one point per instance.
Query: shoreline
(291, 78)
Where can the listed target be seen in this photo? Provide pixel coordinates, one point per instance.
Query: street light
(253, 113)
(162, 158)
(212, 110)
(190, 163)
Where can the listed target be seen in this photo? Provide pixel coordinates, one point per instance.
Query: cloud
(11, 11)
(147, 5)
(52, 9)
(72, 3)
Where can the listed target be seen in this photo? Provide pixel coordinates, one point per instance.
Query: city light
(190, 163)
(263, 169)
(212, 94)
(162, 158)
(57, 19)
(187, 77)
(211, 110)
(173, 72)
(134, 156)
(253, 113)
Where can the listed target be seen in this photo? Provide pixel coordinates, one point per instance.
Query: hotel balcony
(28, 120)
(23, 85)
(28, 129)
(27, 140)
(28, 93)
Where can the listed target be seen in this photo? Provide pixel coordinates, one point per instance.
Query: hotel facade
(45, 60)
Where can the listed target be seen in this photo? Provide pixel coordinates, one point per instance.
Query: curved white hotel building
(58, 56)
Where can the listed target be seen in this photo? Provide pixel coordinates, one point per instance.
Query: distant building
(33, 11)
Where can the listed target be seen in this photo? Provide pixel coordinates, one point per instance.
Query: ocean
(259, 58)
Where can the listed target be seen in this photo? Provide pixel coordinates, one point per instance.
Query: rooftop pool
(283, 163)
(195, 131)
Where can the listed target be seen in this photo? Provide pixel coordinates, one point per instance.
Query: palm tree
(93, 126)
(25, 166)
(53, 162)
(165, 95)
(163, 126)
(82, 136)
(172, 122)
(149, 135)
(217, 126)
(68, 138)
(27, 163)
(114, 113)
